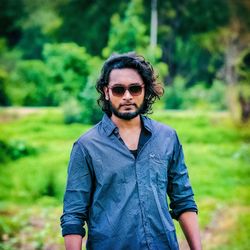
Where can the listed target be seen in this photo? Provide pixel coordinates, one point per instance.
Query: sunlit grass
(217, 154)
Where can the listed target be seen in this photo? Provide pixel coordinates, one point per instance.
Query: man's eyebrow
(120, 84)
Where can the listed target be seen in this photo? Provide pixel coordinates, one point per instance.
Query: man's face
(125, 93)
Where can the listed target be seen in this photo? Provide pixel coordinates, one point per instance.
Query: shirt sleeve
(77, 194)
(179, 189)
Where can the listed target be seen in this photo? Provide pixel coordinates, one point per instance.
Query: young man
(121, 171)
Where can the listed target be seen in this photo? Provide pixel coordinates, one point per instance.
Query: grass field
(217, 153)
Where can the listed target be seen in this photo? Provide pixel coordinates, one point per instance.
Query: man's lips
(127, 105)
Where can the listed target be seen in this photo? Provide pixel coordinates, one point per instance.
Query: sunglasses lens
(118, 90)
(135, 90)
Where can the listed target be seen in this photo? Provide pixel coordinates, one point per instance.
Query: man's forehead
(125, 75)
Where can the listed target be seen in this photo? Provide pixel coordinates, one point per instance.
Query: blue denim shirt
(123, 199)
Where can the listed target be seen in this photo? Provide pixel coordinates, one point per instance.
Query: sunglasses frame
(126, 88)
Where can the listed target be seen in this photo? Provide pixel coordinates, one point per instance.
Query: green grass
(217, 154)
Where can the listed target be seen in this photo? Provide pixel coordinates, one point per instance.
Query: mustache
(127, 103)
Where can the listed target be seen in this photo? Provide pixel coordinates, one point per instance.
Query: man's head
(127, 86)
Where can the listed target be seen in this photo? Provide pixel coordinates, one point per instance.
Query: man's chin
(126, 115)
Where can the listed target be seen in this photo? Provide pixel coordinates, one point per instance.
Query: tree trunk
(154, 23)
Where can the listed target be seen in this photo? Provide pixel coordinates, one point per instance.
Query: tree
(154, 24)
(4, 99)
(186, 32)
(128, 33)
(87, 23)
(11, 12)
(39, 26)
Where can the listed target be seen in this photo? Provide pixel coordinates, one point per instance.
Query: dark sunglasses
(119, 90)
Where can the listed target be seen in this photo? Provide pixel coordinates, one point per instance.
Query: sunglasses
(119, 90)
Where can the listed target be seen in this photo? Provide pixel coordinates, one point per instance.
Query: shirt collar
(109, 127)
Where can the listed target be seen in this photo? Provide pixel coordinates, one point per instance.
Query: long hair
(153, 89)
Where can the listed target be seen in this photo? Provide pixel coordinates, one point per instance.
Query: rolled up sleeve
(77, 194)
(179, 189)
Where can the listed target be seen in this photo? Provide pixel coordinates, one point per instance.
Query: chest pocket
(158, 170)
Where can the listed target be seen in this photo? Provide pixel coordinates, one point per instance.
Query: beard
(126, 115)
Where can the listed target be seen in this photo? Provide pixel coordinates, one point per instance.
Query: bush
(62, 74)
(4, 99)
(217, 95)
(84, 109)
(177, 96)
(14, 150)
(30, 84)
(72, 111)
(69, 67)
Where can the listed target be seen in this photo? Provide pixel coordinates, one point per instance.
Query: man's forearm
(73, 242)
(190, 227)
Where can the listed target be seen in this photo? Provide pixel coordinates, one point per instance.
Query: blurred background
(50, 57)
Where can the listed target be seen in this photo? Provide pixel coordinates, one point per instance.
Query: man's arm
(76, 199)
(73, 242)
(190, 227)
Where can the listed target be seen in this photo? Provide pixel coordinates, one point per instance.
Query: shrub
(84, 109)
(178, 96)
(62, 74)
(174, 94)
(4, 99)
(72, 111)
(30, 84)
(14, 150)
(69, 67)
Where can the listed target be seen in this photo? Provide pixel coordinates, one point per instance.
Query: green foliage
(214, 150)
(216, 95)
(61, 77)
(39, 25)
(178, 96)
(243, 70)
(189, 36)
(85, 109)
(174, 95)
(72, 111)
(91, 112)
(87, 23)
(69, 67)
(11, 12)
(128, 33)
(49, 171)
(4, 98)
(15, 149)
(32, 78)
(197, 59)
(30, 228)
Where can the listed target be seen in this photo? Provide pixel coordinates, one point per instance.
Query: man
(121, 171)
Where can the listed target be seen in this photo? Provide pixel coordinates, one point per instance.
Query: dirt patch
(14, 113)
(217, 233)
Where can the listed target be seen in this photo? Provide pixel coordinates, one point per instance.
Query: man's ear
(106, 92)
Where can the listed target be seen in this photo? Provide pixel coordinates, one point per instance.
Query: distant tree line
(50, 51)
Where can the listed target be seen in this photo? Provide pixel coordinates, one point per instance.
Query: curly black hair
(153, 89)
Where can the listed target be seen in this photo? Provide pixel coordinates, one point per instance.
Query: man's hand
(73, 242)
(190, 227)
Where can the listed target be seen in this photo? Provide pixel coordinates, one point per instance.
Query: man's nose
(127, 95)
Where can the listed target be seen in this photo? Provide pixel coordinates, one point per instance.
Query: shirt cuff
(176, 216)
(73, 229)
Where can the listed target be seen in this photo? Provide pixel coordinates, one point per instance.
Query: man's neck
(129, 130)
(122, 124)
